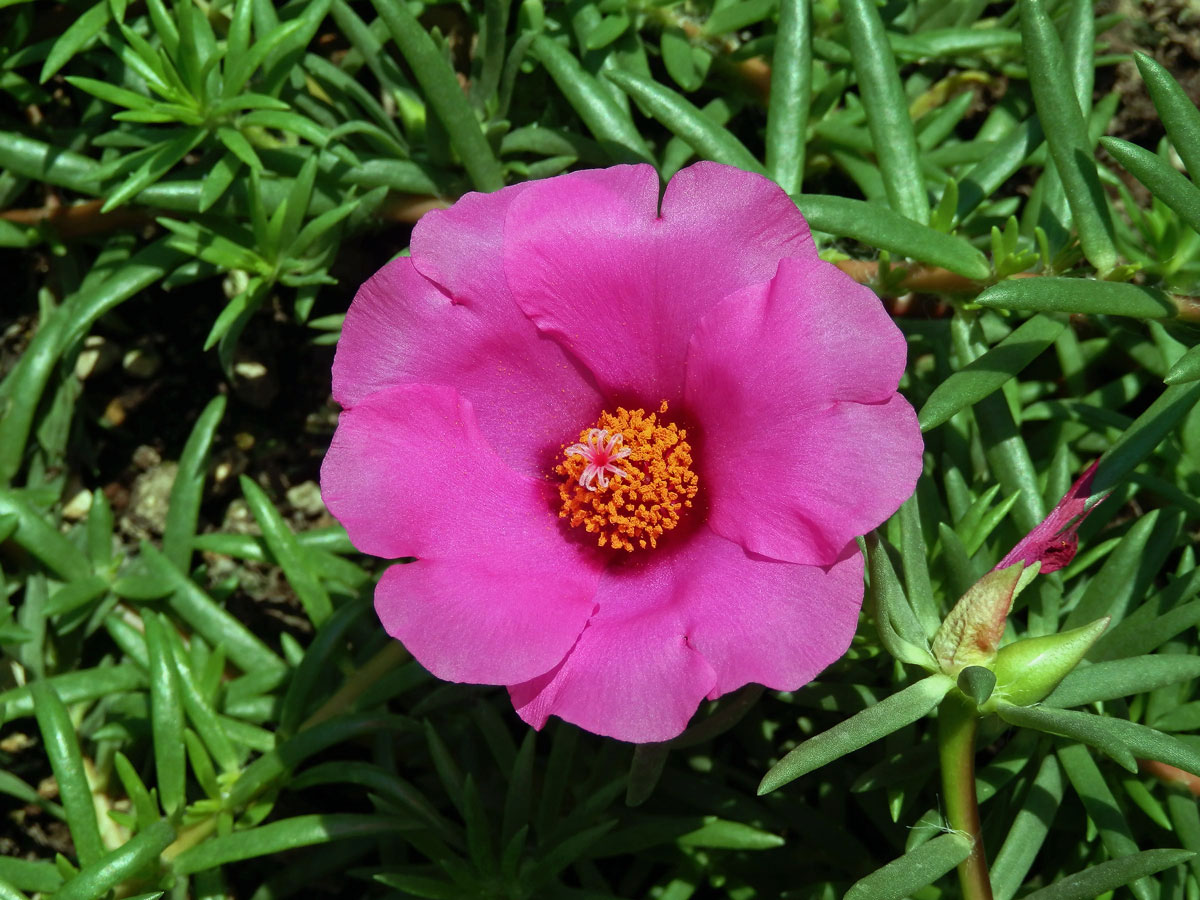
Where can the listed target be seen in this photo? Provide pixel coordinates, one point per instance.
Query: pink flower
(630, 443)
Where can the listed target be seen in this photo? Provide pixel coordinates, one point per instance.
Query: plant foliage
(231, 170)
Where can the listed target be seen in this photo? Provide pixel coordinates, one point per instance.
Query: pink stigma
(601, 452)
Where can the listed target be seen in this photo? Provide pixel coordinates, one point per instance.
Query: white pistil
(601, 451)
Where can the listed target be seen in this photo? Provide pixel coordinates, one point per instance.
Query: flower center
(628, 479)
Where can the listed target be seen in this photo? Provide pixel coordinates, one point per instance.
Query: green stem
(392, 655)
(957, 721)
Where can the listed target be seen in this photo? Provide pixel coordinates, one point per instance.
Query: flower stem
(957, 722)
(392, 655)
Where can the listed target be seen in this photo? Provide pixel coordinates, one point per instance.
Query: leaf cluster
(230, 158)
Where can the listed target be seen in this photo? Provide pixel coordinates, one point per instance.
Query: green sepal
(977, 683)
(1027, 671)
(971, 632)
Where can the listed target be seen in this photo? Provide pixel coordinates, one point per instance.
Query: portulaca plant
(604, 449)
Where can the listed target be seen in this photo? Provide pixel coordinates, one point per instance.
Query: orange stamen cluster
(649, 487)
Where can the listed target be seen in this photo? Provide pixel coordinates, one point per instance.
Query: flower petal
(637, 681)
(803, 441)
(446, 317)
(593, 263)
(695, 620)
(497, 594)
(1054, 541)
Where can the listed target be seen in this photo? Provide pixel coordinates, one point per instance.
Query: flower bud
(971, 632)
(1027, 671)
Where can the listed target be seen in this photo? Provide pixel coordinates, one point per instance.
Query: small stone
(250, 370)
(149, 500)
(141, 362)
(306, 497)
(114, 413)
(77, 507)
(255, 383)
(239, 519)
(96, 358)
(146, 457)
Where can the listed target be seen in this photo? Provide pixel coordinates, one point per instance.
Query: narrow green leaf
(1105, 877)
(730, 17)
(164, 157)
(1070, 147)
(1185, 819)
(239, 68)
(318, 226)
(166, 716)
(914, 870)
(265, 771)
(490, 52)
(1126, 573)
(144, 805)
(135, 856)
(1010, 460)
(212, 622)
(1028, 832)
(685, 120)
(110, 93)
(1122, 678)
(313, 596)
(1119, 738)
(443, 93)
(288, 834)
(40, 161)
(202, 716)
(1159, 177)
(721, 834)
(1078, 296)
(1141, 438)
(915, 559)
(188, 488)
(989, 372)
(1185, 369)
(607, 30)
(78, 34)
(7, 890)
(319, 659)
(62, 748)
(420, 885)
(41, 539)
(150, 264)
(30, 876)
(997, 167)
(1179, 115)
(400, 175)
(517, 805)
(873, 723)
(610, 124)
(100, 530)
(235, 142)
(77, 687)
(791, 95)
(1102, 809)
(299, 125)
(75, 594)
(678, 59)
(881, 228)
(899, 629)
(887, 110)
(732, 709)
(645, 770)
